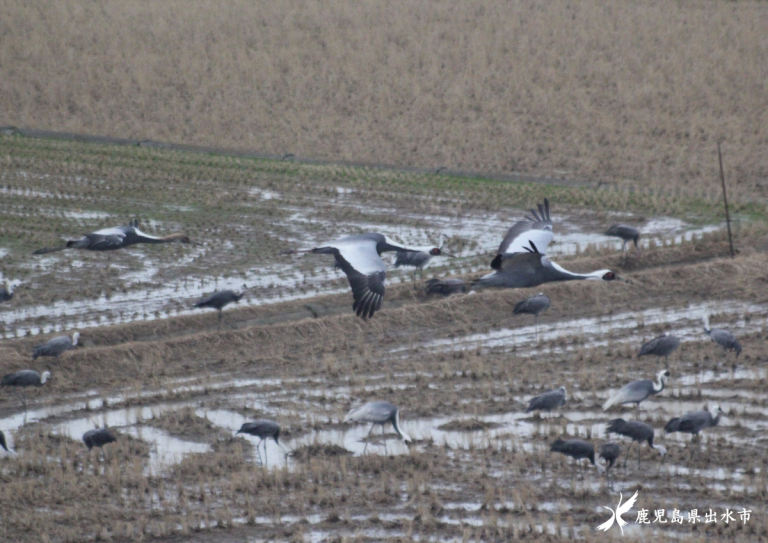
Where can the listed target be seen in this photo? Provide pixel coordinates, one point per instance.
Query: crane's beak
(627, 281)
(448, 255)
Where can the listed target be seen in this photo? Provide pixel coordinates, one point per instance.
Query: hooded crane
(626, 234)
(55, 347)
(637, 391)
(419, 259)
(445, 287)
(263, 429)
(638, 432)
(578, 450)
(551, 399)
(378, 413)
(6, 293)
(662, 346)
(521, 261)
(359, 257)
(694, 422)
(97, 437)
(219, 300)
(118, 237)
(533, 306)
(609, 452)
(23, 379)
(722, 337)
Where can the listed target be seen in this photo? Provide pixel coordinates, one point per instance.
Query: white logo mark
(616, 515)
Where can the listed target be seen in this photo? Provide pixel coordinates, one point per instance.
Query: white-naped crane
(359, 257)
(638, 432)
(535, 305)
(549, 400)
(22, 380)
(55, 347)
(637, 391)
(521, 262)
(263, 429)
(118, 237)
(626, 233)
(219, 300)
(445, 287)
(722, 337)
(419, 259)
(378, 413)
(578, 450)
(695, 421)
(662, 346)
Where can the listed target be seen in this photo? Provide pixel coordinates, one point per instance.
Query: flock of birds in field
(520, 262)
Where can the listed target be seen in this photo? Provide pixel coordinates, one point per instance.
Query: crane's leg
(536, 326)
(369, 435)
(627, 455)
(638, 456)
(258, 452)
(266, 462)
(385, 439)
(218, 327)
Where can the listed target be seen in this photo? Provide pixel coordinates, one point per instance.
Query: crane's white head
(663, 376)
(715, 411)
(661, 449)
(74, 338)
(44, 377)
(565, 394)
(705, 320)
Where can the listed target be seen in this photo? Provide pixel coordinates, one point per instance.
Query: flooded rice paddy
(462, 370)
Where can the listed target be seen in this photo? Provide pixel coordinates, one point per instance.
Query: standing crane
(626, 234)
(722, 337)
(694, 422)
(638, 432)
(98, 437)
(533, 306)
(219, 300)
(521, 262)
(56, 347)
(23, 379)
(118, 237)
(637, 391)
(263, 429)
(609, 452)
(578, 450)
(551, 399)
(359, 257)
(662, 346)
(378, 413)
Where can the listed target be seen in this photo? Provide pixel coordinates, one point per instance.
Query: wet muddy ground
(461, 369)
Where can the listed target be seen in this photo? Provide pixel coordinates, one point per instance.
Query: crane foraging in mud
(359, 257)
(22, 380)
(723, 338)
(578, 450)
(626, 234)
(638, 432)
(263, 429)
(551, 399)
(118, 237)
(662, 346)
(219, 300)
(378, 413)
(55, 347)
(521, 262)
(694, 422)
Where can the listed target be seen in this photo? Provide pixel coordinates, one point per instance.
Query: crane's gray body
(626, 233)
(638, 432)
(56, 346)
(219, 299)
(261, 428)
(24, 378)
(98, 438)
(445, 287)
(693, 422)
(552, 399)
(378, 413)
(661, 346)
(609, 452)
(534, 305)
(6, 294)
(412, 259)
(576, 449)
(725, 339)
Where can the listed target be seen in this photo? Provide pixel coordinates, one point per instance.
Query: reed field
(462, 369)
(635, 93)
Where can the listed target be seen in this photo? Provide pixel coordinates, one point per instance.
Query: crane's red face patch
(610, 276)
(435, 252)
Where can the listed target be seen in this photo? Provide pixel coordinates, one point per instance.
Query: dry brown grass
(637, 90)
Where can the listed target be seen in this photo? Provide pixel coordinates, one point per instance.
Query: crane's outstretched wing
(536, 229)
(366, 273)
(605, 526)
(102, 239)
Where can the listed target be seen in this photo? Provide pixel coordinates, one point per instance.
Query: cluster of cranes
(520, 262)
